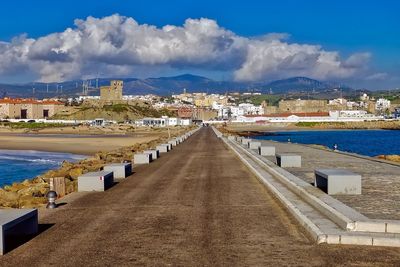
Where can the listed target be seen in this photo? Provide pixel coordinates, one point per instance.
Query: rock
(394, 158)
(75, 173)
(14, 187)
(32, 202)
(8, 199)
(35, 190)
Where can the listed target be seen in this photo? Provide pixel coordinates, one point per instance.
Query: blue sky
(346, 27)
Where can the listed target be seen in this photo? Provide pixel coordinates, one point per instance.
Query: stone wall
(298, 106)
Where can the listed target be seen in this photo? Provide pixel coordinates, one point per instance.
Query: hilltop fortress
(113, 92)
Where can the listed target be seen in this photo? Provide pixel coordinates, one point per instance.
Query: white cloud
(118, 45)
(377, 76)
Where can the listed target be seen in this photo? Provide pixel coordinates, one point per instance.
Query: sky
(354, 42)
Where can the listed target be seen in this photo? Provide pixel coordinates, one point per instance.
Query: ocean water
(364, 142)
(18, 165)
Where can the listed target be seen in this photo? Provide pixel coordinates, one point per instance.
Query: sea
(363, 142)
(18, 165)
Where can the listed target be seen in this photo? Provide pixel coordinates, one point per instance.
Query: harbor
(200, 204)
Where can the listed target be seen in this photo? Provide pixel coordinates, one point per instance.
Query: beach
(82, 140)
(84, 145)
(107, 145)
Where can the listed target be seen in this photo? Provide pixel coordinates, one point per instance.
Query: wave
(11, 158)
(32, 156)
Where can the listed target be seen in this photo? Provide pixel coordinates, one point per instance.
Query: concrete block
(288, 160)
(393, 227)
(266, 151)
(245, 141)
(173, 142)
(155, 154)
(370, 226)
(164, 148)
(333, 239)
(337, 181)
(231, 138)
(386, 242)
(120, 170)
(95, 181)
(254, 145)
(15, 223)
(356, 240)
(142, 158)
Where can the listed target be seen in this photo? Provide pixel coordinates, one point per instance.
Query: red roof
(28, 101)
(299, 114)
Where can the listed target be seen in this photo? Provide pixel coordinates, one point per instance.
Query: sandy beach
(85, 145)
(82, 140)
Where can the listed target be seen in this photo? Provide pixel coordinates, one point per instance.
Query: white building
(348, 114)
(172, 121)
(382, 104)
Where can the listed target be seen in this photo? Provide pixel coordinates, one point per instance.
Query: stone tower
(113, 92)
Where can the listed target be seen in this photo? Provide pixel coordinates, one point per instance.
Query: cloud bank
(118, 45)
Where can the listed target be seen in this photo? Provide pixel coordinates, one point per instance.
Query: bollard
(51, 196)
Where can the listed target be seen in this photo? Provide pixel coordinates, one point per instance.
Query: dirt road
(196, 206)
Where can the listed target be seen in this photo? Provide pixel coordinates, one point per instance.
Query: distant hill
(169, 85)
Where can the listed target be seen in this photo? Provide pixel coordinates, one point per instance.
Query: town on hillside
(112, 106)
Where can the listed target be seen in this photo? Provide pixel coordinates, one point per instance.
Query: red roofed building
(297, 114)
(18, 108)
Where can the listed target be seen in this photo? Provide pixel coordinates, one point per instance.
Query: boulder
(75, 173)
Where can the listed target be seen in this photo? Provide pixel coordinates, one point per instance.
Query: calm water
(364, 142)
(18, 165)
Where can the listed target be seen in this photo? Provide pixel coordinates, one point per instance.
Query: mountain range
(165, 86)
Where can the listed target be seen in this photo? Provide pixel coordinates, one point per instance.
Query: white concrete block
(356, 240)
(254, 145)
(245, 141)
(164, 148)
(333, 239)
(393, 227)
(95, 181)
(142, 158)
(370, 226)
(173, 142)
(155, 154)
(266, 151)
(16, 221)
(386, 242)
(120, 170)
(338, 181)
(288, 160)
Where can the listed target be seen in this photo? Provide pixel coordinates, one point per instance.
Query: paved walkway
(380, 196)
(196, 206)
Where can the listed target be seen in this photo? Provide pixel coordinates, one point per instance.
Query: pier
(204, 203)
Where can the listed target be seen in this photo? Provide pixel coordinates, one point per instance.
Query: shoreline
(74, 144)
(100, 151)
(33, 163)
(301, 126)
